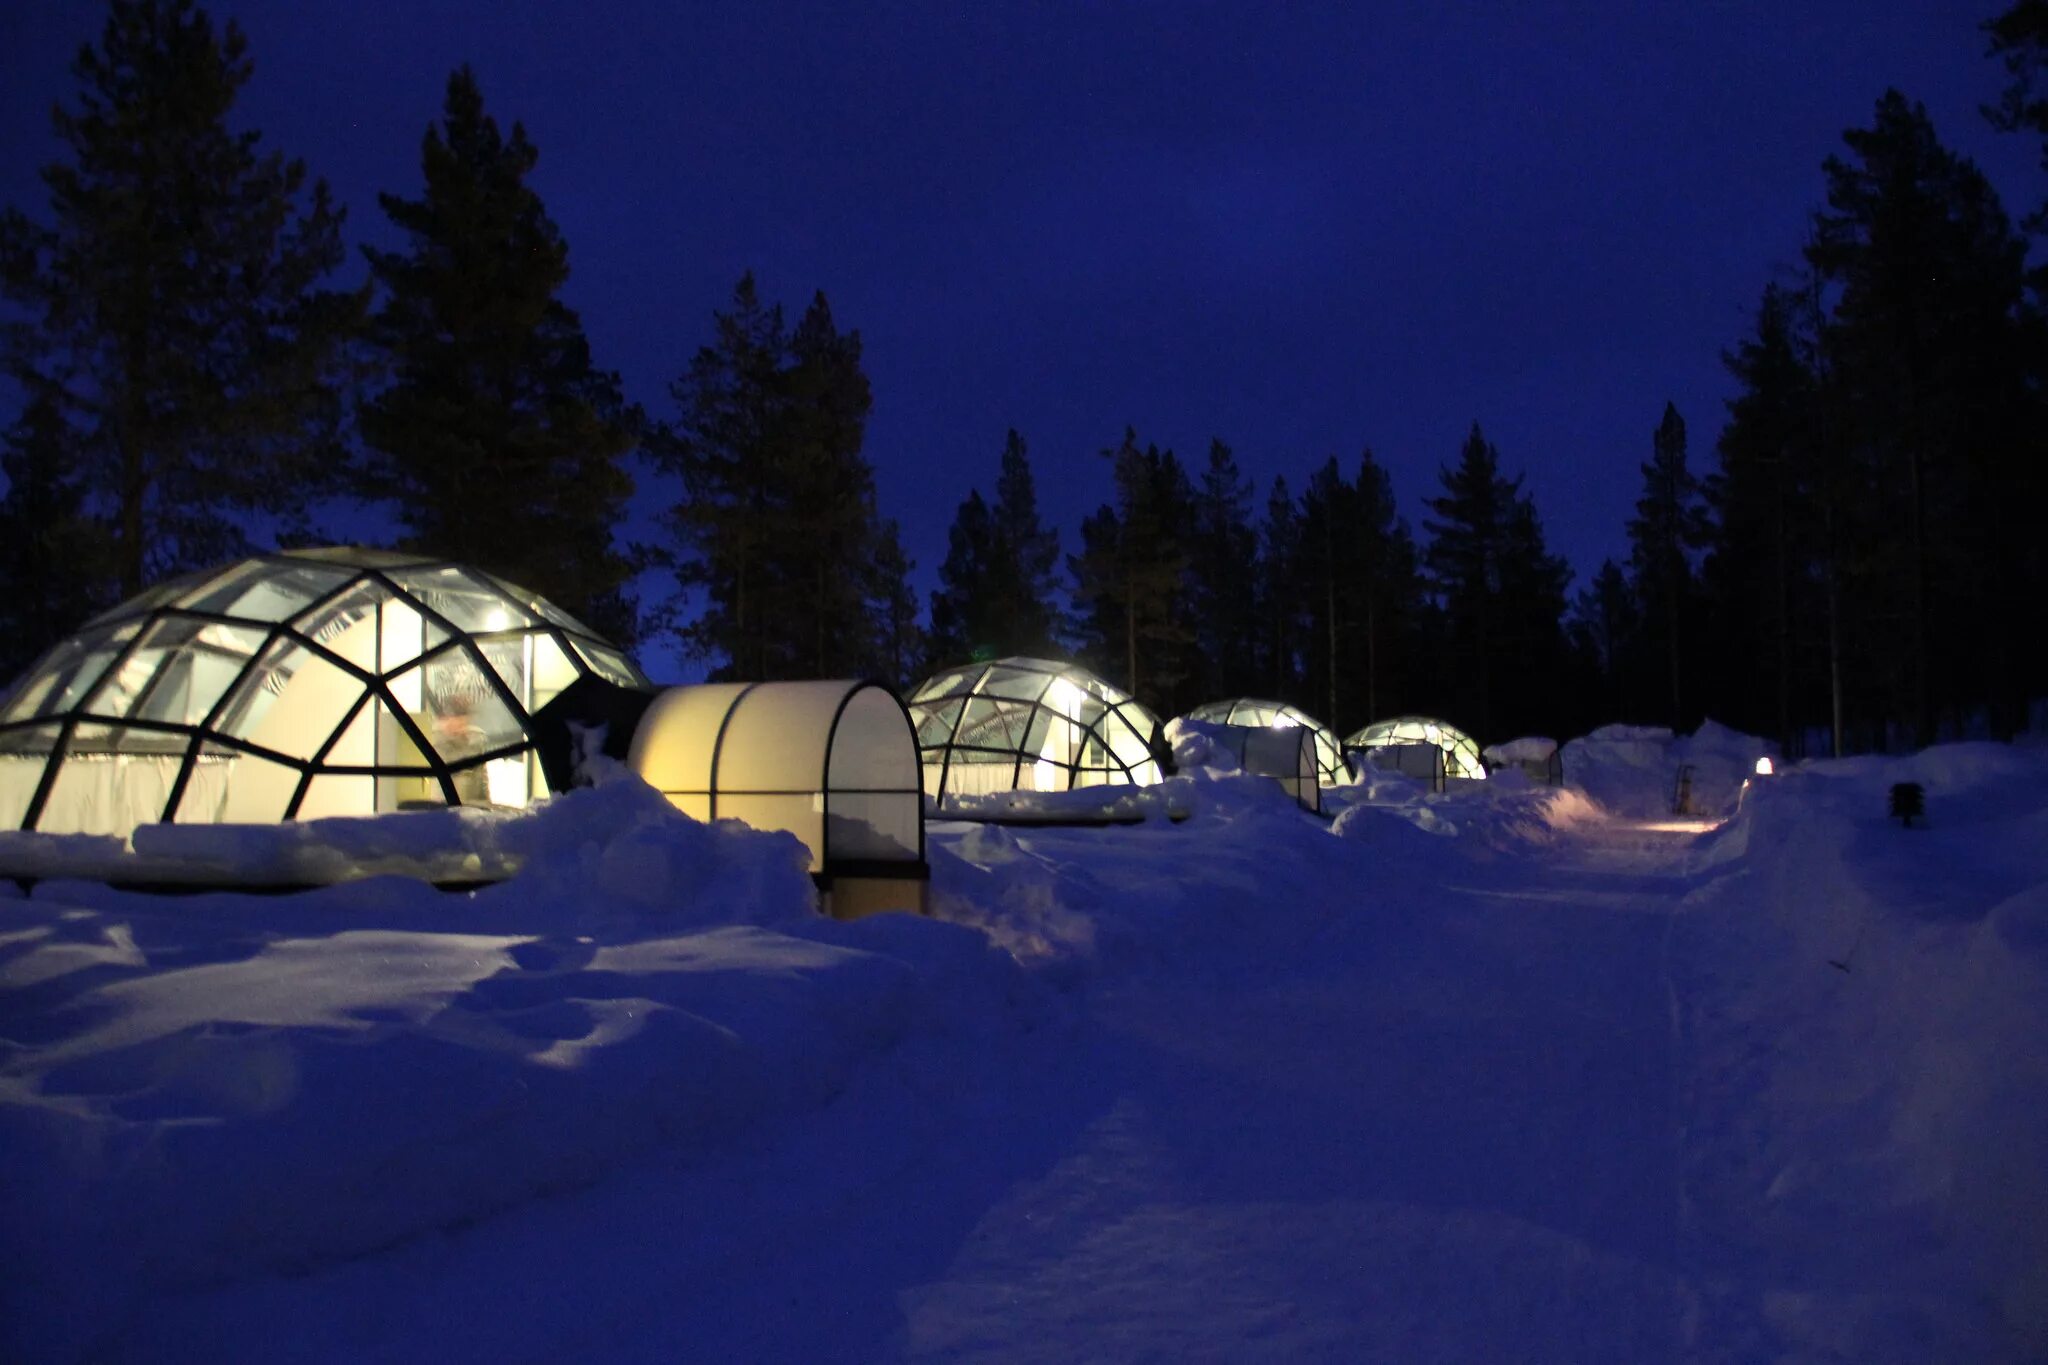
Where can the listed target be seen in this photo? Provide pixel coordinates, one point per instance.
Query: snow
(1503, 1072)
(1530, 749)
(1633, 770)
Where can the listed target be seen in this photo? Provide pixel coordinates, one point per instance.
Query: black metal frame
(302, 629)
(926, 704)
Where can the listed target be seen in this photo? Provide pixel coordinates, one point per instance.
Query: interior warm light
(1763, 766)
(496, 619)
(1682, 826)
(1283, 723)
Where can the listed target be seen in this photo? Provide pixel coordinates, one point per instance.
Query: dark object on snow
(1681, 792)
(590, 704)
(1909, 799)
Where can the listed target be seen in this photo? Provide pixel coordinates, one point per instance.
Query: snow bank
(1531, 749)
(198, 1090)
(1633, 770)
(457, 844)
(1871, 1034)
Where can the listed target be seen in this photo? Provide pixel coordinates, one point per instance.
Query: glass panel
(991, 723)
(946, 684)
(872, 746)
(508, 657)
(802, 816)
(1012, 682)
(152, 597)
(536, 604)
(936, 721)
(70, 671)
(102, 790)
(178, 670)
(459, 711)
(610, 665)
(506, 779)
(292, 703)
(873, 827)
(23, 755)
(332, 619)
(356, 747)
(469, 604)
(262, 590)
(206, 788)
(254, 790)
(330, 794)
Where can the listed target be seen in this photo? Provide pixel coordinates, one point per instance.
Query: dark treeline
(1839, 560)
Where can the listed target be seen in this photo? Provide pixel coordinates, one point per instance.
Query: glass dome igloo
(1330, 766)
(1029, 725)
(293, 685)
(1460, 751)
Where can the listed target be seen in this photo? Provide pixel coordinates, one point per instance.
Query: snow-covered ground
(1488, 1075)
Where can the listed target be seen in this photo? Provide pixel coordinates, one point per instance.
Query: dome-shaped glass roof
(1030, 725)
(1330, 766)
(292, 685)
(1461, 754)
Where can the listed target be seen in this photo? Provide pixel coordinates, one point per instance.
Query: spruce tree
(900, 647)
(961, 607)
(725, 449)
(56, 559)
(1602, 632)
(1501, 594)
(1131, 576)
(1926, 278)
(1282, 613)
(995, 593)
(172, 309)
(1223, 581)
(778, 529)
(496, 441)
(1028, 555)
(1669, 525)
(1763, 559)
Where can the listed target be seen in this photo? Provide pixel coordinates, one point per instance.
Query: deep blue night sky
(1302, 232)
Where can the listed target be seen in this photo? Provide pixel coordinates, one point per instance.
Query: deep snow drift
(1491, 1074)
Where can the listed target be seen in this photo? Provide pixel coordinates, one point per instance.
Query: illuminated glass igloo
(293, 685)
(1029, 725)
(1330, 765)
(1420, 734)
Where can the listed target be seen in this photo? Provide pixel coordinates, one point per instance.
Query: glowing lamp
(1763, 766)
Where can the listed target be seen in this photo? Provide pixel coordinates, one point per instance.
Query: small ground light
(1763, 766)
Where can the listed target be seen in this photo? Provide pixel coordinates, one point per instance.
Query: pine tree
(1763, 562)
(1028, 556)
(831, 527)
(1501, 593)
(1603, 632)
(961, 612)
(900, 646)
(1668, 526)
(496, 441)
(778, 528)
(2019, 38)
(1223, 581)
(173, 309)
(56, 560)
(1926, 278)
(1280, 592)
(1130, 578)
(725, 448)
(995, 593)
